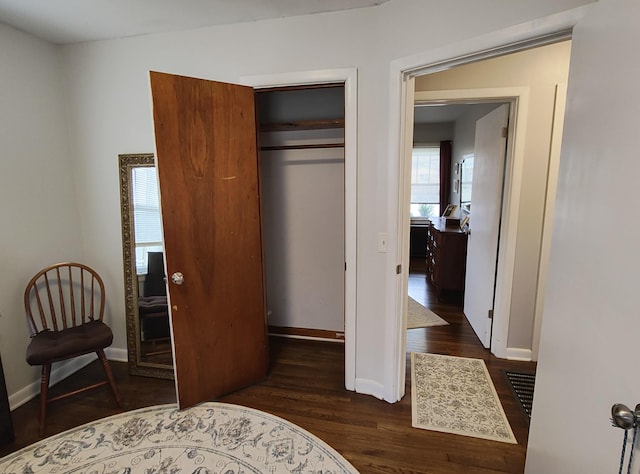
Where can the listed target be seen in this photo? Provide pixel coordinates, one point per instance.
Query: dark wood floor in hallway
(306, 387)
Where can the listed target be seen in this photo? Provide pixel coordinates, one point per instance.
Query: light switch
(382, 242)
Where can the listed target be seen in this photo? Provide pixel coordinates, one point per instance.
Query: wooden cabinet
(446, 257)
(418, 240)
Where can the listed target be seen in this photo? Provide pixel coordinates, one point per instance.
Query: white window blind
(425, 181)
(146, 215)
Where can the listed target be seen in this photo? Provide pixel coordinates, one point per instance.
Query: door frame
(349, 77)
(547, 30)
(518, 99)
(549, 209)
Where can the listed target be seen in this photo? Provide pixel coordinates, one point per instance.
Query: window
(146, 215)
(425, 181)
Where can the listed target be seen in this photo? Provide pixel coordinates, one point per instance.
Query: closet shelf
(302, 125)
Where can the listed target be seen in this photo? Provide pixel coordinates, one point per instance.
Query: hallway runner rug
(420, 317)
(522, 385)
(456, 395)
(208, 438)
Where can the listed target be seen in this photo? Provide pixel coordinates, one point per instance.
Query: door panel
(484, 224)
(208, 170)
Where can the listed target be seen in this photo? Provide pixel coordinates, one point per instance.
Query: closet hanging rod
(302, 147)
(302, 125)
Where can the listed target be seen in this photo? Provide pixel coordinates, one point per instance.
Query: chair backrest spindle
(43, 318)
(63, 309)
(83, 305)
(72, 316)
(52, 308)
(93, 281)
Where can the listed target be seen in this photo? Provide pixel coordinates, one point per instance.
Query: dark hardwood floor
(305, 386)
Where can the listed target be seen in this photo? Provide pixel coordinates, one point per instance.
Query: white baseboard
(116, 354)
(370, 387)
(518, 354)
(61, 371)
(58, 373)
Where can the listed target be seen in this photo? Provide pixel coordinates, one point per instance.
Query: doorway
(302, 187)
(348, 78)
(506, 342)
(448, 262)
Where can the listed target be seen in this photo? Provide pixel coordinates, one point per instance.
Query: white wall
(432, 133)
(107, 95)
(464, 141)
(38, 206)
(303, 223)
(589, 343)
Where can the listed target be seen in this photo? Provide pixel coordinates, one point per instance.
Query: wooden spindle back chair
(65, 309)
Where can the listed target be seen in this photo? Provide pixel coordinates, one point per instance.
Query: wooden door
(486, 203)
(208, 169)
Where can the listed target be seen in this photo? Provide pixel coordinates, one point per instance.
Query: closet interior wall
(302, 179)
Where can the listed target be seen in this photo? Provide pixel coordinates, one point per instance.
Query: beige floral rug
(208, 438)
(456, 395)
(420, 317)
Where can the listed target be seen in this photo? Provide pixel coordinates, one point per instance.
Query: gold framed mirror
(147, 319)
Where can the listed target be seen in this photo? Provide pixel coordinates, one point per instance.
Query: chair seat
(50, 346)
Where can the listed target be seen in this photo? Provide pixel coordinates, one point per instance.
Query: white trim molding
(116, 354)
(549, 209)
(370, 387)
(513, 353)
(61, 372)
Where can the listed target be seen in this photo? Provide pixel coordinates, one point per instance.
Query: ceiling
(438, 113)
(441, 113)
(75, 21)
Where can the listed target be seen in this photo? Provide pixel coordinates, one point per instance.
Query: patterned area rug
(456, 395)
(209, 438)
(420, 317)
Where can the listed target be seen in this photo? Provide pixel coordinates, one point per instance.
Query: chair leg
(110, 377)
(44, 393)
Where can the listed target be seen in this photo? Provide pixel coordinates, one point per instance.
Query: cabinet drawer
(437, 239)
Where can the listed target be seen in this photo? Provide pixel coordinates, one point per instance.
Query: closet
(303, 202)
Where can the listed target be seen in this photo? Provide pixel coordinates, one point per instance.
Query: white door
(484, 224)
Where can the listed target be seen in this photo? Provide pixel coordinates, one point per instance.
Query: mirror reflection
(148, 334)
